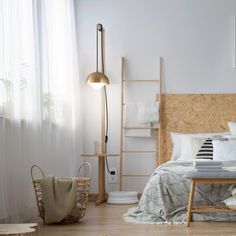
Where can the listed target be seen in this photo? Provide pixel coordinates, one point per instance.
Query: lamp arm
(102, 50)
(100, 29)
(97, 49)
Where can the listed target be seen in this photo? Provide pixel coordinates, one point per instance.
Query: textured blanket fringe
(131, 217)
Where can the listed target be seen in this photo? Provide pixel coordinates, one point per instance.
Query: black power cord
(106, 131)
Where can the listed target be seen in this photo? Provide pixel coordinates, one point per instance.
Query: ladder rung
(139, 127)
(142, 81)
(139, 151)
(136, 175)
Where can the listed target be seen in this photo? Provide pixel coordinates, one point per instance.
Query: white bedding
(165, 196)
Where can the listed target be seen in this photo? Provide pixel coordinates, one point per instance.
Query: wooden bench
(228, 177)
(18, 229)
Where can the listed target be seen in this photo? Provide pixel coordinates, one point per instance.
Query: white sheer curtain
(39, 111)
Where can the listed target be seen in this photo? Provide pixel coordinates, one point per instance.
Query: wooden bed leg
(190, 202)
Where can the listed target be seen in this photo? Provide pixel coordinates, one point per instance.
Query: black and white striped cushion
(206, 150)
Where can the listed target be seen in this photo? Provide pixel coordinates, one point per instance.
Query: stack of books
(208, 166)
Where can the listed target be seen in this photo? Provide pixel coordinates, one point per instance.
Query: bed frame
(194, 113)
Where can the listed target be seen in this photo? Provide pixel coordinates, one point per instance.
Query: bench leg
(190, 202)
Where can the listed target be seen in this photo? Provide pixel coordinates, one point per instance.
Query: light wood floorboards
(107, 220)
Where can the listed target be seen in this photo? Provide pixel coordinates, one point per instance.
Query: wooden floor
(107, 220)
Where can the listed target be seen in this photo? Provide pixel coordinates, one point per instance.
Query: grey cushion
(220, 174)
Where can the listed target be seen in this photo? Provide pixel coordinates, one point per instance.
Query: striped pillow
(206, 150)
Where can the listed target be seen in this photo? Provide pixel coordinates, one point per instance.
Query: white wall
(195, 37)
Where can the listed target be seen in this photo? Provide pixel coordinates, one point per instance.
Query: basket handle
(89, 167)
(32, 171)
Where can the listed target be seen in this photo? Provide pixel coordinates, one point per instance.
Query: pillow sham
(182, 144)
(176, 142)
(202, 148)
(232, 127)
(224, 150)
(177, 139)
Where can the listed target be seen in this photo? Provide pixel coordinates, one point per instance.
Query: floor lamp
(99, 80)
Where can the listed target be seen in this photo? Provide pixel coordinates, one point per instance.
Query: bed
(165, 197)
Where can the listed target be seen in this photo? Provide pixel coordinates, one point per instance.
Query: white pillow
(179, 140)
(232, 127)
(190, 144)
(224, 150)
(182, 144)
(231, 202)
(176, 144)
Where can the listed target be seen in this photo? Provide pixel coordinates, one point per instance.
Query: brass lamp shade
(97, 80)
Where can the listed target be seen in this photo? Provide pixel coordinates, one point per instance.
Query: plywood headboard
(194, 113)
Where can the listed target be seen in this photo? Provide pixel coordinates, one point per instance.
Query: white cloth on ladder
(148, 113)
(141, 114)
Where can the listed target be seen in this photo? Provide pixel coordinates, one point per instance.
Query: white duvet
(165, 197)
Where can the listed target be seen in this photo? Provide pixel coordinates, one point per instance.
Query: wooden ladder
(125, 127)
